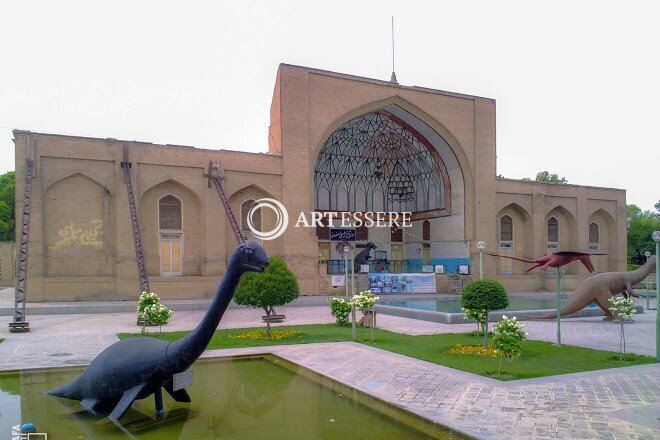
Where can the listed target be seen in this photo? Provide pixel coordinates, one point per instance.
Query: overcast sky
(577, 83)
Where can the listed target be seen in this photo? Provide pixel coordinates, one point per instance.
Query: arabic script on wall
(74, 236)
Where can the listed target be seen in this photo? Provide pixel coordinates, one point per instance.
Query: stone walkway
(622, 403)
(617, 403)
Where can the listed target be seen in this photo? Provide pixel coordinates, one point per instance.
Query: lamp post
(656, 238)
(481, 245)
(559, 269)
(346, 250)
(647, 254)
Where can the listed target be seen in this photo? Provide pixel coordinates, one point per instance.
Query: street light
(647, 254)
(346, 250)
(481, 245)
(656, 238)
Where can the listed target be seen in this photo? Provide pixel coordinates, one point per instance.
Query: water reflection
(239, 398)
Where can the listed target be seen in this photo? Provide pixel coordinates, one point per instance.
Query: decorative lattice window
(169, 213)
(553, 230)
(594, 233)
(506, 228)
(378, 163)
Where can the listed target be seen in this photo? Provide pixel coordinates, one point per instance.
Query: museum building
(337, 143)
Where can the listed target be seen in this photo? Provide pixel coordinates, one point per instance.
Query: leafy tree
(484, 295)
(547, 177)
(7, 204)
(657, 206)
(641, 225)
(276, 286)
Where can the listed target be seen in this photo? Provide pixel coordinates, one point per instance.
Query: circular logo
(281, 222)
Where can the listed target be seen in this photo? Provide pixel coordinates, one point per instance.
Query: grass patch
(538, 358)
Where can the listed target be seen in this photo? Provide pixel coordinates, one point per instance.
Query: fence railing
(336, 267)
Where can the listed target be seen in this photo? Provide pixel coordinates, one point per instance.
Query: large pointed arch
(348, 148)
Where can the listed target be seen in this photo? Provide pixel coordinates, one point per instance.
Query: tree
(657, 206)
(546, 177)
(276, 286)
(7, 204)
(641, 225)
(484, 295)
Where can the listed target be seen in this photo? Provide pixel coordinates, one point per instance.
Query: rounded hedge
(484, 295)
(276, 286)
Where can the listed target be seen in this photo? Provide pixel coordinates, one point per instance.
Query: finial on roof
(393, 77)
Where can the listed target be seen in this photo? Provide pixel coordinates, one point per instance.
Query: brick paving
(617, 403)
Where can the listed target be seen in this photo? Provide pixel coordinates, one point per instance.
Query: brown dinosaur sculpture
(599, 288)
(556, 260)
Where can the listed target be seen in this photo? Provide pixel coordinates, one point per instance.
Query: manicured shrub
(274, 287)
(484, 295)
(508, 338)
(623, 310)
(340, 308)
(479, 316)
(150, 310)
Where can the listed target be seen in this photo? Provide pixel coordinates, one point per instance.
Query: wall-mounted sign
(364, 268)
(464, 269)
(337, 280)
(439, 268)
(427, 268)
(340, 234)
(182, 380)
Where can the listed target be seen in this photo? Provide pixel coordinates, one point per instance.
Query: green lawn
(539, 358)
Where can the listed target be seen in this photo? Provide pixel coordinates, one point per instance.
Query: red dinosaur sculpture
(556, 260)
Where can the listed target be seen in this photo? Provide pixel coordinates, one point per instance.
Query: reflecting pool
(454, 305)
(253, 397)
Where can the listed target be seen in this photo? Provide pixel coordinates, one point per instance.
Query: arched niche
(191, 234)
(240, 200)
(80, 231)
(567, 233)
(607, 240)
(521, 243)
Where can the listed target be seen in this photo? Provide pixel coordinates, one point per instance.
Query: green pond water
(454, 306)
(260, 397)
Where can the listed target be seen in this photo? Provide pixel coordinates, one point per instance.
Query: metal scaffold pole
(137, 238)
(20, 324)
(214, 178)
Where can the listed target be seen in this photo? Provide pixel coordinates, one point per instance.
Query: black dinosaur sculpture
(135, 368)
(363, 257)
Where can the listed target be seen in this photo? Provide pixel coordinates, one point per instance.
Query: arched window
(506, 228)
(426, 230)
(170, 232)
(169, 213)
(256, 217)
(594, 233)
(506, 245)
(553, 230)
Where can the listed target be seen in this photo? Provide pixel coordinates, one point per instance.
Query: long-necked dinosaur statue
(555, 259)
(135, 368)
(600, 288)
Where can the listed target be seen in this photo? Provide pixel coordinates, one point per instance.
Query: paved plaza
(616, 403)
